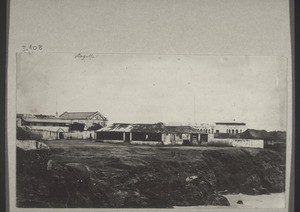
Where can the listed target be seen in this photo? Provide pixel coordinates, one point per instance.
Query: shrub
(23, 134)
(96, 126)
(279, 146)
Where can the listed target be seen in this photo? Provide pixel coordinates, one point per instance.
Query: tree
(95, 126)
(24, 134)
(77, 126)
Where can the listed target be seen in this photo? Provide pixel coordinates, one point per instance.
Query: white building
(230, 127)
(87, 118)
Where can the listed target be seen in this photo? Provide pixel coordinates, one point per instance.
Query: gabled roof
(149, 128)
(256, 134)
(81, 115)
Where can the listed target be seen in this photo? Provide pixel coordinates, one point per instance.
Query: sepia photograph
(181, 131)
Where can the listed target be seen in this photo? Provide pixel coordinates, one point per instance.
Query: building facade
(230, 127)
(155, 134)
(42, 122)
(87, 118)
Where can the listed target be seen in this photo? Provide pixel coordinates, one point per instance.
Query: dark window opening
(139, 136)
(203, 137)
(110, 135)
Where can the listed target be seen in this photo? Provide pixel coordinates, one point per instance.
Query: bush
(279, 146)
(23, 134)
(77, 126)
(96, 126)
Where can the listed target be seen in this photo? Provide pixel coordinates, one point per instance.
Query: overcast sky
(152, 88)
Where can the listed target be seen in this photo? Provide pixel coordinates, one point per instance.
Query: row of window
(209, 131)
(45, 124)
(233, 131)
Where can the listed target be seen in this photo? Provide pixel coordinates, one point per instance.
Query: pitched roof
(256, 134)
(81, 115)
(150, 128)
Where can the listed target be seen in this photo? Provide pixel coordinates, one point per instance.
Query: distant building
(230, 127)
(43, 123)
(87, 118)
(155, 134)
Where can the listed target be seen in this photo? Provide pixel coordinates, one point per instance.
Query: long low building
(155, 134)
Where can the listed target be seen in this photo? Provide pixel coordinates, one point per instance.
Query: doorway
(203, 138)
(194, 138)
(61, 135)
(127, 137)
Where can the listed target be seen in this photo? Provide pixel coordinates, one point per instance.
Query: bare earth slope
(87, 174)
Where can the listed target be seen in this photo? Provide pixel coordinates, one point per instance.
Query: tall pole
(194, 110)
(56, 113)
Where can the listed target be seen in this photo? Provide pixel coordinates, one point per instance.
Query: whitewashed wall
(112, 141)
(224, 128)
(31, 144)
(79, 135)
(46, 135)
(174, 139)
(254, 143)
(152, 143)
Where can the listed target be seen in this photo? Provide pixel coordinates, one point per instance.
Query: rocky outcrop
(153, 182)
(32, 157)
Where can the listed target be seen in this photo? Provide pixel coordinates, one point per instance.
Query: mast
(194, 110)
(56, 113)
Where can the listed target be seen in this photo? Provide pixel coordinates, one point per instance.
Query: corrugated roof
(181, 129)
(125, 127)
(117, 128)
(34, 116)
(230, 123)
(150, 128)
(81, 115)
(44, 120)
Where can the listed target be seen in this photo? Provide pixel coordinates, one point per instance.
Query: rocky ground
(87, 174)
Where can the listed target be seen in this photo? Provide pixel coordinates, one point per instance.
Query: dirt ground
(85, 151)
